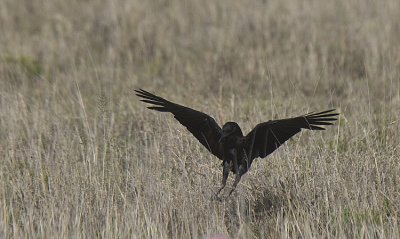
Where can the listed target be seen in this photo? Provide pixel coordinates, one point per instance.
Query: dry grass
(81, 157)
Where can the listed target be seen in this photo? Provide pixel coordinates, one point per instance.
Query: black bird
(229, 144)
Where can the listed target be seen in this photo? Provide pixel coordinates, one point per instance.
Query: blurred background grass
(81, 157)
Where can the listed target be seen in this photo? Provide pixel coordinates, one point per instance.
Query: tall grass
(81, 157)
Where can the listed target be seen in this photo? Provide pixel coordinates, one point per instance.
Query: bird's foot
(232, 190)
(217, 197)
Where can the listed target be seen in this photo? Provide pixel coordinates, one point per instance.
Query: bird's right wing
(268, 136)
(201, 125)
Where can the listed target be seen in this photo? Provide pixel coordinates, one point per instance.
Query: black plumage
(229, 144)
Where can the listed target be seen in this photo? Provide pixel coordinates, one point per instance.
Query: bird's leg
(225, 174)
(238, 174)
(237, 180)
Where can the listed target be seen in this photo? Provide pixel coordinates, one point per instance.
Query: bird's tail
(316, 120)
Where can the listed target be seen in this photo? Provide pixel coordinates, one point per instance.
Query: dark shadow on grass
(267, 203)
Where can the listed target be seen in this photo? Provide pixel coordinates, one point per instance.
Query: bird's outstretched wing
(201, 125)
(268, 136)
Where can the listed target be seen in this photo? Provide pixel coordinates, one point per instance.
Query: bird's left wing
(201, 125)
(268, 136)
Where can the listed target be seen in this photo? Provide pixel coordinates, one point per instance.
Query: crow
(228, 143)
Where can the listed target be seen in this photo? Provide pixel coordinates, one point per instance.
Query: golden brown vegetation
(81, 157)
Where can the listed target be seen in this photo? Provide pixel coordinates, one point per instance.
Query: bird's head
(230, 129)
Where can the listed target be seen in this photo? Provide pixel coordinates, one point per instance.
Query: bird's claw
(216, 197)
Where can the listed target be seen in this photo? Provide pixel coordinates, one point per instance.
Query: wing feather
(201, 125)
(268, 136)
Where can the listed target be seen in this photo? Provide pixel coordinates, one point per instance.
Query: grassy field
(81, 157)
